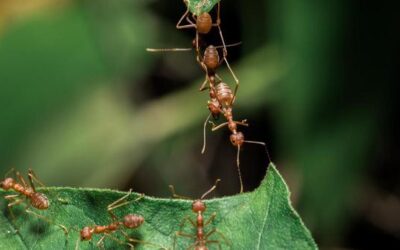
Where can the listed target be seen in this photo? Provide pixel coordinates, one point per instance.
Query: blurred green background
(84, 105)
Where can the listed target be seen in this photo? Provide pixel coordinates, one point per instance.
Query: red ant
(226, 99)
(202, 23)
(130, 221)
(36, 199)
(199, 207)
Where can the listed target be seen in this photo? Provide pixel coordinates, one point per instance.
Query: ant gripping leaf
(198, 7)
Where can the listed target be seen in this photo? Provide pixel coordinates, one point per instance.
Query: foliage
(263, 219)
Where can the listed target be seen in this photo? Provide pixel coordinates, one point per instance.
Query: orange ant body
(130, 221)
(226, 98)
(202, 237)
(203, 24)
(36, 199)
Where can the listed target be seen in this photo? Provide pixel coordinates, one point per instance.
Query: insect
(201, 237)
(226, 98)
(202, 22)
(130, 221)
(35, 199)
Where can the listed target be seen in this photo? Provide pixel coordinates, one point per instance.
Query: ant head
(7, 183)
(133, 221)
(39, 201)
(204, 23)
(198, 206)
(213, 106)
(86, 233)
(237, 139)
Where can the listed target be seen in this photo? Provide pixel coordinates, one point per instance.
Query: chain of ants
(221, 101)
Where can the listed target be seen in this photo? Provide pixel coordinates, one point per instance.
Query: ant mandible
(202, 237)
(36, 199)
(130, 221)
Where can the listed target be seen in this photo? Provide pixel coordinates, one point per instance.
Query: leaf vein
(266, 214)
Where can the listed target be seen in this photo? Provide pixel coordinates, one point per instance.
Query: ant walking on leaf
(129, 221)
(202, 238)
(27, 193)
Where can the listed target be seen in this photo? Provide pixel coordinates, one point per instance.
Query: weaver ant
(201, 237)
(202, 22)
(130, 221)
(226, 99)
(35, 199)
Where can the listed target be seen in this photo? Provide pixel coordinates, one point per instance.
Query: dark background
(83, 104)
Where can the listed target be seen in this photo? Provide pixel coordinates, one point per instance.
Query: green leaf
(200, 6)
(263, 219)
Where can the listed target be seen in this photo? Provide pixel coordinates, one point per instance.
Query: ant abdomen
(133, 220)
(211, 58)
(224, 94)
(204, 23)
(39, 201)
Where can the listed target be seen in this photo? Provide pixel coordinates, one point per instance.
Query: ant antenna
(238, 168)
(211, 189)
(174, 195)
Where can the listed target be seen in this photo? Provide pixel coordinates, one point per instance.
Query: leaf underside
(200, 6)
(262, 219)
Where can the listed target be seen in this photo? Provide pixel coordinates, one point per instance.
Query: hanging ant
(36, 199)
(130, 221)
(202, 23)
(226, 99)
(202, 237)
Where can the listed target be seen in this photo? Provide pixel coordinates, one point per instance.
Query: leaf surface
(200, 6)
(262, 219)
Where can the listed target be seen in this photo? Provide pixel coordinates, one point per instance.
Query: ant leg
(187, 26)
(21, 179)
(15, 201)
(212, 217)
(101, 242)
(119, 241)
(12, 170)
(219, 126)
(262, 144)
(243, 123)
(121, 202)
(32, 177)
(204, 134)
(204, 85)
(215, 242)
(174, 195)
(140, 241)
(64, 228)
(238, 168)
(211, 189)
